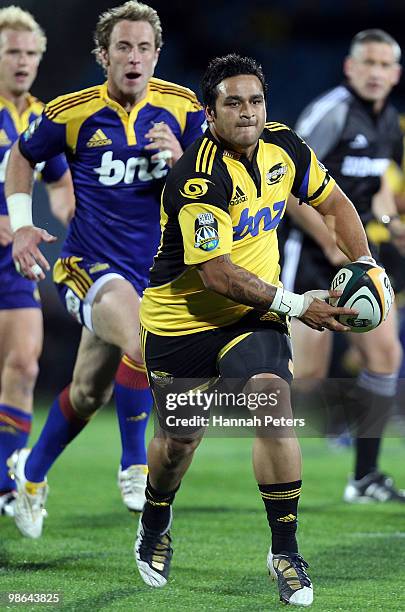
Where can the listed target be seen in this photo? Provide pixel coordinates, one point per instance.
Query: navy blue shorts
(15, 290)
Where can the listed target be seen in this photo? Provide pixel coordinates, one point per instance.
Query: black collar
(231, 153)
(367, 104)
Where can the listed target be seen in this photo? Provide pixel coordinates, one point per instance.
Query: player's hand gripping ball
(367, 289)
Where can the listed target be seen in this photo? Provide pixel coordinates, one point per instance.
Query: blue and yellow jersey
(11, 126)
(217, 202)
(117, 185)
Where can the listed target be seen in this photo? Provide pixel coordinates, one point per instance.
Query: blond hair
(14, 18)
(130, 11)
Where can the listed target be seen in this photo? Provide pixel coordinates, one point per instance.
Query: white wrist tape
(35, 269)
(165, 154)
(20, 210)
(366, 259)
(286, 302)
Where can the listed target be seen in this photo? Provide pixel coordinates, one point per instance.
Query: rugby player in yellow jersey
(214, 306)
(120, 138)
(22, 44)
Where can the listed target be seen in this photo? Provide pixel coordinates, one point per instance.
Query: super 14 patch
(206, 232)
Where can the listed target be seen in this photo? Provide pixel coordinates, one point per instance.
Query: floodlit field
(220, 535)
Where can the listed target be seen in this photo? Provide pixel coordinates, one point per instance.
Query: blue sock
(61, 427)
(15, 427)
(133, 400)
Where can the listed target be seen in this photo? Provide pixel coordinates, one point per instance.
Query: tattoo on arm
(242, 286)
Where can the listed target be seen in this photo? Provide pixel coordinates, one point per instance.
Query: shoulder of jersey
(202, 157)
(61, 106)
(174, 94)
(274, 126)
(327, 102)
(273, 130)
(36, 106)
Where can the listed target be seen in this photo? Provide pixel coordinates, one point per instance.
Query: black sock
(156, 512)
(281, 502)
(369, 415)
(367, 451)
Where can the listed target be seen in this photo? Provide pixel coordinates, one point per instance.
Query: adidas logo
(98, 267)
(239, 197)
(270, 316)
(4, 139)
(359, 142)
(138, 417)
(289, 518)
(99, 139)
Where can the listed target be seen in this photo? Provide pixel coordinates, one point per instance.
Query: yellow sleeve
(207, 232)
(320, 183)
(395, 178)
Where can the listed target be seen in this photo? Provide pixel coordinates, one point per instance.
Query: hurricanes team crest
(276, 173)
(195, 188)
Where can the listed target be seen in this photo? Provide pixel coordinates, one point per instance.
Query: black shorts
(255, 344)
(304, 265)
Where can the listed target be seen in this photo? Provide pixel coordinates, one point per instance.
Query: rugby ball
(367, 289)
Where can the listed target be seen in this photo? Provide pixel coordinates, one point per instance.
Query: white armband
(286, 302)
(20, 210)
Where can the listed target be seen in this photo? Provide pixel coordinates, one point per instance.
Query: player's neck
(245, 151)
(125, 100)
(378, 106)
(18, 100)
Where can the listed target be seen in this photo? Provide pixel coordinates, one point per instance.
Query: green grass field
(356, 554)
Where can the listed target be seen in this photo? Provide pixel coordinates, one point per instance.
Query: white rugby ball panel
(365, 288)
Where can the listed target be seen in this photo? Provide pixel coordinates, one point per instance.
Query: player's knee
(395, 356)
(133, 350)
(275, 446)
(86, 400)
(180, 448)
(23, 366)
(387, 356)
(312, 371)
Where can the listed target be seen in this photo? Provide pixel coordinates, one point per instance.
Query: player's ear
(155, 61)
(103, 57)
(210, 114)
(397, 74)
(347, 66)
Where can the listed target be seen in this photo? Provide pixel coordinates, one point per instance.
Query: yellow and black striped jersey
(217, 202)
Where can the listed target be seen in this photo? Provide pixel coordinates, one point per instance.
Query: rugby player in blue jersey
(22, 43)
(119, 138)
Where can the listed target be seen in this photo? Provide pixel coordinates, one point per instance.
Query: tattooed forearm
(246, 288)
(237, 283)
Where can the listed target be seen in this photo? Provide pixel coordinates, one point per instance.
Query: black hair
(221, 68)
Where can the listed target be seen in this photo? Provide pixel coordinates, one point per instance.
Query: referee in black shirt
(355, 131)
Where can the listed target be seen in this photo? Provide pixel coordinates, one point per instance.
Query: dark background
(300, 43)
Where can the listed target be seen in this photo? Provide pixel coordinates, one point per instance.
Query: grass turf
(220, 534)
